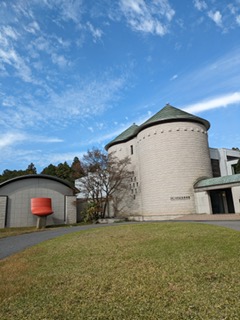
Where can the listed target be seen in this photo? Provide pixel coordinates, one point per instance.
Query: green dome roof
(124, 136)
(167, 114)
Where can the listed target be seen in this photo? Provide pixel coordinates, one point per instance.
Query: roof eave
(112, 143)
(41, 176)
(156, 122)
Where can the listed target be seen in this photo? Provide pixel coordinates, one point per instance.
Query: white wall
(203, 202)
(236, 198)
(223, 155)
(71, 209)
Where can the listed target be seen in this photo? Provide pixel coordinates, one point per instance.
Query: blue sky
(76, 73)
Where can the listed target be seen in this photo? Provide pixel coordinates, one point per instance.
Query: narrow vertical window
(131, 148)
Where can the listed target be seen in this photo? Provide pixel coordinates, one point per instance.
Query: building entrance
(222, 201)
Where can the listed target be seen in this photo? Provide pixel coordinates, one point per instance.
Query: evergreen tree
(10, 174)
(31, 169)
(76, 169)
(50, 170)
(63, 171)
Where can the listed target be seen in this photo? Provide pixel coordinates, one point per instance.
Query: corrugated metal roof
(235, 178)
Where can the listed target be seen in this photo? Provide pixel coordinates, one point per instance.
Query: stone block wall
(172, 156)
(167, 159)
(131, 204)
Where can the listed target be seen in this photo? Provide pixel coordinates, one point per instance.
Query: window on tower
(131, 149)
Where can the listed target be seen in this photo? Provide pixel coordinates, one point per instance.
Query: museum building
(175, 173)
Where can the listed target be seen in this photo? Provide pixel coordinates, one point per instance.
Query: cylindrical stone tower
(171, 154)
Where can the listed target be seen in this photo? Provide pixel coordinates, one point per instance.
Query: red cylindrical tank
(41, 206)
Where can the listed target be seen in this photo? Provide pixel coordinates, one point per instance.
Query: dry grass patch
(149, 271)
(7, 232)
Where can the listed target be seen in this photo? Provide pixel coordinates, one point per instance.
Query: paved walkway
(210, 217)
(14, 244)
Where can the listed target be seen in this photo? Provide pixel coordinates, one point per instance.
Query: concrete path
(14, 244)
(235, 225)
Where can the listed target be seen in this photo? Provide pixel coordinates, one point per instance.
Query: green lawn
(146, 271)
(7, 232)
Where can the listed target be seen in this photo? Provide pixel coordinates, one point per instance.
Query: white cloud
(200, 5)
(216, 17)
(220, 75)
(148, 17)
(174, 77)
(10, 32)
(96, 33)
(32, 27)
(67, 9)
(238, 19)
(7, 34)
(71, 10)
(84, 100)
(43, 139)
(220, 13)
(213, 103)
(11, 57)
(9, 101)
(88, 100)
(60, 60)
(42, 44)
(9, 139)
(22, 9)
(63, 43)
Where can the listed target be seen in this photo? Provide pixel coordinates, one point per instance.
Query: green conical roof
(167, 114)
(124, 136)
(170, 113)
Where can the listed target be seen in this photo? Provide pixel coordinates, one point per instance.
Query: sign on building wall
(180, 198)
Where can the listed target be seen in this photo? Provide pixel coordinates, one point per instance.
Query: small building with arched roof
(16, 194)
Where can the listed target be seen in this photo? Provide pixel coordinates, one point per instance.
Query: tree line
(63, 171)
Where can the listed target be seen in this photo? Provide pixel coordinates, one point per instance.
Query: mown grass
(148, 271)
(8, 232)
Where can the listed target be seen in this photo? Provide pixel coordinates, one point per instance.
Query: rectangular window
(131, 147)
